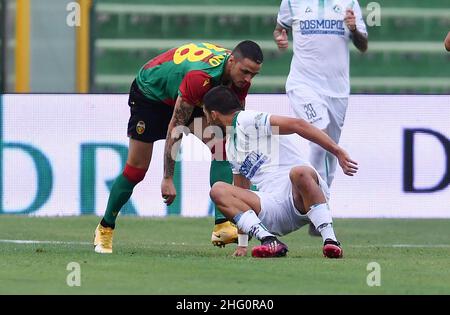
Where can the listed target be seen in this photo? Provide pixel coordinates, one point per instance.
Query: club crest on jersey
(140, 127)
(308, 10)
(337, 8)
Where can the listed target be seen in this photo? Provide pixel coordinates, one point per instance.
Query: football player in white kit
(290, 191)
(318, 82)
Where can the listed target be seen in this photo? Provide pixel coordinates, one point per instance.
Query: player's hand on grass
(282, 40)
(168, 191)
(240, 251)
(349, 166)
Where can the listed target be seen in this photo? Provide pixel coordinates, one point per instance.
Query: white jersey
(320, 37)
(255, 153)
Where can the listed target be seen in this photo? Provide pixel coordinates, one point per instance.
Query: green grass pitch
(174, 256)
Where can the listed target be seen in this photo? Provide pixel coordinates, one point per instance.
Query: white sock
(249, 223)
(320, 216)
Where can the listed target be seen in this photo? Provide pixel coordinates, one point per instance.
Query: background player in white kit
(318, 82)
(290, 191)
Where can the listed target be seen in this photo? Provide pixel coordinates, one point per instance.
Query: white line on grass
(44, 242)
(187, 244)
(419, 246)
(400, 246)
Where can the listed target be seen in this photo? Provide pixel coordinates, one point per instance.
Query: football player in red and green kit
(166, 94)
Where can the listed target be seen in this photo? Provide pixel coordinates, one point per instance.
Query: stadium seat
(396, 50)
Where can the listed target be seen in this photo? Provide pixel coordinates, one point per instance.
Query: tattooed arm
(358, 38)
(181, 115)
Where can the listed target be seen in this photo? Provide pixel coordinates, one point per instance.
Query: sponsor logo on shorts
(140, 127)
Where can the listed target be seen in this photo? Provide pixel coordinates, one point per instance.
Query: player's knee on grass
(218, 192)
(134, 174)
(302, 176)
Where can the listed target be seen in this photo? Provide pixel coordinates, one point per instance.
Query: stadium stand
(406, 54)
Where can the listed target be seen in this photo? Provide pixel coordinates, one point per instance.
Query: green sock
(220, 171)
(120, 193)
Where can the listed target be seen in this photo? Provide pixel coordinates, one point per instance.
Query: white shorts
(278, 212)
(318, 109)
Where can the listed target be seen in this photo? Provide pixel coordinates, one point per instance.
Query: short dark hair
(221, 99)
(248, 49)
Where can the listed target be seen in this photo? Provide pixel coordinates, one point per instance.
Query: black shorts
(149, 119)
